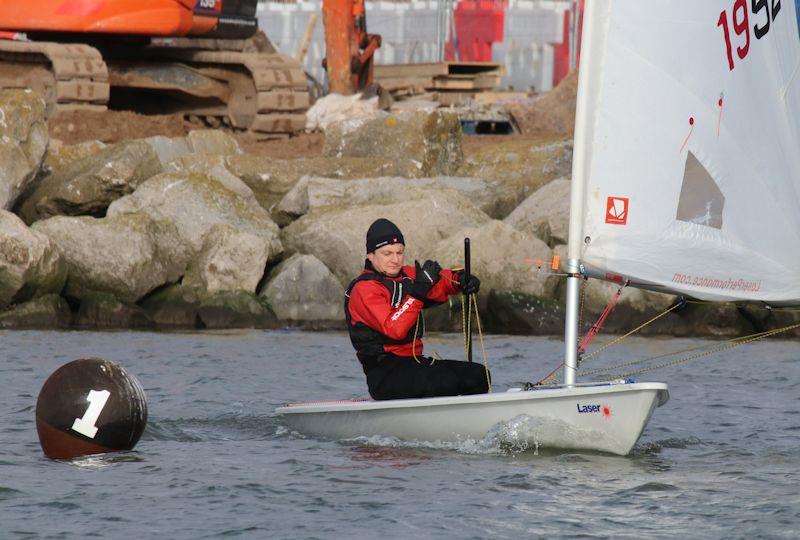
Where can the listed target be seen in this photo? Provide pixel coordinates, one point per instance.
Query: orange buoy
(90, 406)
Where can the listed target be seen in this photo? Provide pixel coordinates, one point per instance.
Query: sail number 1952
(764, 13)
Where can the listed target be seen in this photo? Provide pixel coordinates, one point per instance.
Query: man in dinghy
(383, 308)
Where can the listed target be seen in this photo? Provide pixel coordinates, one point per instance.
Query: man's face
(388, 259)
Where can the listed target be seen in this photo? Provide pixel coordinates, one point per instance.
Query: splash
(521, 434)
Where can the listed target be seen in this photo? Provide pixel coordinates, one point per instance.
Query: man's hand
(427, 276)
(468, 286)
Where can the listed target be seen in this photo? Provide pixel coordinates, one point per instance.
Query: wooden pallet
(440, 76)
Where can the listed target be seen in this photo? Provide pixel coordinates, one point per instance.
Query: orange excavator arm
(349, 48)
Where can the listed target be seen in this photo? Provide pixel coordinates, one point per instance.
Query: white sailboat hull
(601, 417)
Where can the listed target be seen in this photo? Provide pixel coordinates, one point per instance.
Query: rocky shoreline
(191, 232)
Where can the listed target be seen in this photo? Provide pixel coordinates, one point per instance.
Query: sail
(687, 148)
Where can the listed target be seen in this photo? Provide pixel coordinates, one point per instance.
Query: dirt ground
(114, 126)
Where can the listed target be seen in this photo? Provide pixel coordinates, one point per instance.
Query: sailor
(383, 307)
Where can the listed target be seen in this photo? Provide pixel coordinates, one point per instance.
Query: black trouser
(399, 377)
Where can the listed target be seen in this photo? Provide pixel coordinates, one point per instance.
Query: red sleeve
(370, 304)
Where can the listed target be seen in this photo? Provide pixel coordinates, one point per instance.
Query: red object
(370, 304)
(617, 210)
(479, 24)
(561, 50)
(596, 327)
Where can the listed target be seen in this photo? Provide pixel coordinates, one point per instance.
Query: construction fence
(534, 39)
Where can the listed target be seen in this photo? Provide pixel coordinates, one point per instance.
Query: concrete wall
(408, 30)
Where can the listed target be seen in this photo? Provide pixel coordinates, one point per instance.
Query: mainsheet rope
(716, 347)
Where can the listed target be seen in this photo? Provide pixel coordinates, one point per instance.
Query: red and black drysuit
(386, 328)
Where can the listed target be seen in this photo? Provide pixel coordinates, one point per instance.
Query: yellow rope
(414, 342)
(672, 353)
(620, 338)
(753, 337)
(474, 303)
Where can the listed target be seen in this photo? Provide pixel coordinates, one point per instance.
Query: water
(721, 459)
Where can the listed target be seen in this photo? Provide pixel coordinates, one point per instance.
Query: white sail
(688, 148)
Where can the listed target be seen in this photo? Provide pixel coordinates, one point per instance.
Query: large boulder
(60, 155)
(312, 193)
(270, 179)
(23, 143)
(46, 312)
(423, 143)
(30, 262)
(545, 214)
(126, 256)
(168, 148)
(88, 185)
(177, 306)
(502, 257)
(212, 165)
(337, 236)
(302, 288)
(194, 203)
(229, 260)
(103, 310)
(517, 167)
(211, 141)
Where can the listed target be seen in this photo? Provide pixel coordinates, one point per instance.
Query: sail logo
(605, 410)
(617, 210)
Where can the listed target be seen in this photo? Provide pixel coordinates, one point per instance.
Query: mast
(584, 116)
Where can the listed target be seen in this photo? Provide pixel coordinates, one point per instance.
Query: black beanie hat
(381, 233)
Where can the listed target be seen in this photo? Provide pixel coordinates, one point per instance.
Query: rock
(173, 307)
(545, 214)
(509, 312)
(423, 144)
(126, 256)
(336, 108)
(312, 193)
(237, 309)
(46, 312)
(270, 179)
(87, 186)
(229, 260)
(61, 155)
(302, 288)
(194, 203)
(516, 168)
(213, 166)
(337, 236)
(168, 148)
(211, 141)
(103, 310)
(30, 263)
(502, 258)
(23, 143)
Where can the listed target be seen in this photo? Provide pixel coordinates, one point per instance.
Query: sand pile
(553, 112)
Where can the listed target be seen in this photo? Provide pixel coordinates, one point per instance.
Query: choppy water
(721, 459)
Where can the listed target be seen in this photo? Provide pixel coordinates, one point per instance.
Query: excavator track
(268, 91)
(68, 76)
(262, 92)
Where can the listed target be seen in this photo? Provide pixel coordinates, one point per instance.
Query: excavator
(204, 58)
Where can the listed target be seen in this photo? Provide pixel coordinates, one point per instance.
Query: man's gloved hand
(427, 276)
(468, 286)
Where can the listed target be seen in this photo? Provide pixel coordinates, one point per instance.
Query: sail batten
(688, 149)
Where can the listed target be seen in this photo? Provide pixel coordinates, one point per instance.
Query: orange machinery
(350, 49)
(200, 57)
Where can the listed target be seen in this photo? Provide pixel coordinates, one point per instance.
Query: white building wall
(408, 30)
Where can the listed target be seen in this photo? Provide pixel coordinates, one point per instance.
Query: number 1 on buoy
(97, 400)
